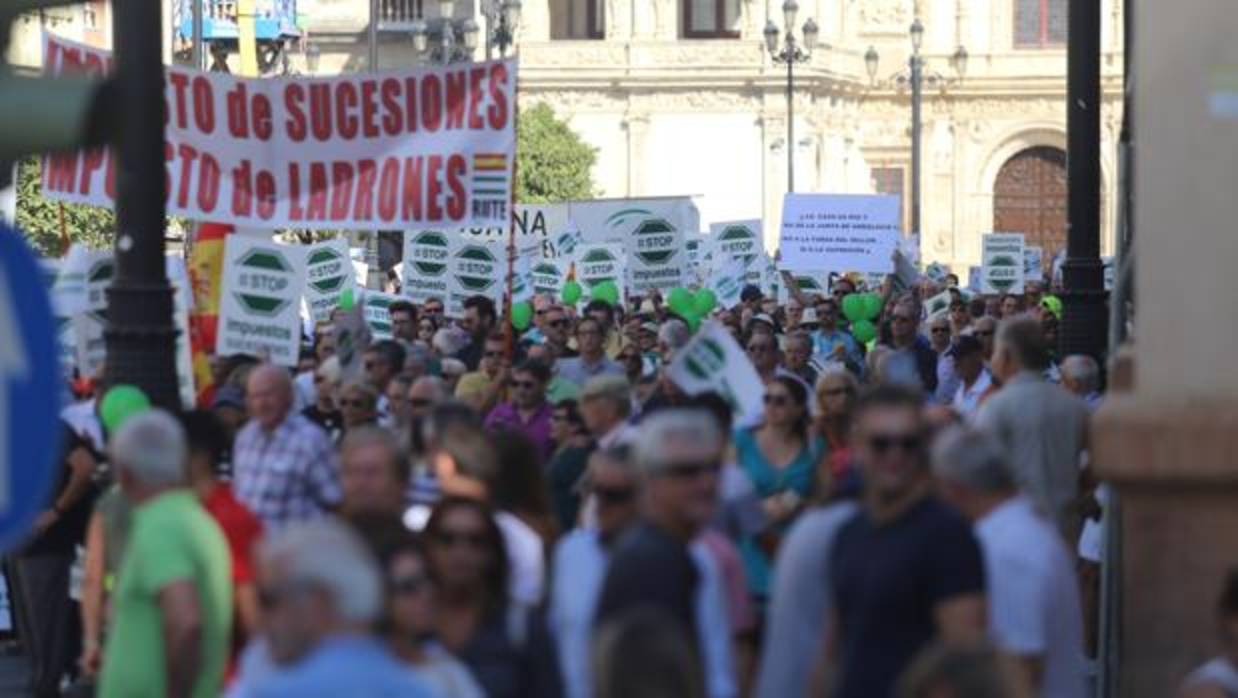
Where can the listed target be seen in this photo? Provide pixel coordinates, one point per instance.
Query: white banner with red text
(401, 149)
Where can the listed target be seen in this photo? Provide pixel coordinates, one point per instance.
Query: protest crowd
(644, 498)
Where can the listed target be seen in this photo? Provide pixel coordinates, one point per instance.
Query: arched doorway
(1029, 197)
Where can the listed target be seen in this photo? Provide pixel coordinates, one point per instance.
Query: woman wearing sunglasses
(780, 457)
(410, 617)
(504, 644)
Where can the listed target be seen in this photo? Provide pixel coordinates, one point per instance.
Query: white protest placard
(727, 283)
(740, 240)
(939, 303)
(815, 283)
(714, 361)
(693, 244)
(1033, 264)
(329, 273)
(377, 313)
(182, 303)
(261, 298)
(839, 232)
(601, 262)
(937, 272)
(522, 273)
(427, 265)
(548, 277)
(93, 270)
(1002, 263)
(66, 342)
(433, 145)
(478, 268)
(653, 232)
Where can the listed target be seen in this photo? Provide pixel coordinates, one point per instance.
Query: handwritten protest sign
(1002, 263)
(839, 232)
(431, 146)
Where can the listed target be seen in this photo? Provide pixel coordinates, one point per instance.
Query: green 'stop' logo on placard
(655, 242)
(430, 253)
(325, 270)
(476, 270)
(598, 256)
(101, 272)
(738, 239)
(257, 280)
(1000, 278)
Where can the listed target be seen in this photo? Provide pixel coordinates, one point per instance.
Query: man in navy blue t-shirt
(907, 568)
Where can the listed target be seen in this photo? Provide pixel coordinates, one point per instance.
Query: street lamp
(455, 41)
(502, 18)
(915, 78)
(790, 52)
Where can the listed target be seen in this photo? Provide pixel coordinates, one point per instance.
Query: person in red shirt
(208, 446)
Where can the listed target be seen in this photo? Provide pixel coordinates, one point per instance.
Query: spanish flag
(206, 266)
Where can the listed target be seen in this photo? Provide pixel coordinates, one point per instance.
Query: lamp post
(140, 335)
(453, 43)
(502, 18)
(915, 78)
(789, 53)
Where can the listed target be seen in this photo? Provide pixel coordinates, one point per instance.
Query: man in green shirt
(172, 607)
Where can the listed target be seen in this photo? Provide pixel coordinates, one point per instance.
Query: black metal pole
(916, 97)
(140, 336)
(1083, 328)
(790, 56)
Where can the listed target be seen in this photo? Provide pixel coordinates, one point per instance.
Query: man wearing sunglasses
(679, 454)
(907, 569)
(527, 412)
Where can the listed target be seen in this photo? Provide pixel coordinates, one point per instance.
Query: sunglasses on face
(984, 333)
(901, 318)
(560, 322)
(776, 400)
(523, 385)
(494, 354)
(347, 402)
(759, 348)
(883, 443)
(450, 539)
(613, 495)
(411, 584)
(940, 330)
(690, 470)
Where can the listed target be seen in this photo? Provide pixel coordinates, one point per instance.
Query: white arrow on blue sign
(29, 390)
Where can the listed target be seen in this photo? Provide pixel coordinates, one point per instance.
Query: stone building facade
(681, 98)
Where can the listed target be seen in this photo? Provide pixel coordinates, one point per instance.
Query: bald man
(284, 466)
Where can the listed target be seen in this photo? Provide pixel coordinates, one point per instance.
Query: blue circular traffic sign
(30, 389)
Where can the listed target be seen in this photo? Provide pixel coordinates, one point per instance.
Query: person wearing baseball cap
(974, 378)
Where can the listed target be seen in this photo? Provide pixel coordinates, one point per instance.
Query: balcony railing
(273, 19)
(398, 15)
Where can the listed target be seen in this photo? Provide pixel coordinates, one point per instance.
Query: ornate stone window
(577, 19)
(1040, 23)
(889, 180)
(710, 19)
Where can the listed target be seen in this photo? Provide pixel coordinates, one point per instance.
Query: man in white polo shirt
(1033, 599)
(974, 379)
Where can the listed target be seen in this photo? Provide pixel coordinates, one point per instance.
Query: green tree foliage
(39, 217)
(553, 163)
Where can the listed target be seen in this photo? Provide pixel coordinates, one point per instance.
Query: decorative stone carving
(571, 101)
(884, 16)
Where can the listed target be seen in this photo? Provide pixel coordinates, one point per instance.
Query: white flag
(714, 361)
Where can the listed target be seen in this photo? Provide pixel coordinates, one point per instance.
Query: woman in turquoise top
(780, 457)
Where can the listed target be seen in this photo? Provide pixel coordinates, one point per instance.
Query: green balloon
(694, 320)
(853, 307)
(680, 301)
(572, 292)
(704, 301)
(346, 299)
(606, 291)
(119, 404)
(864, 331)
(872, 306)
(522, 315)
